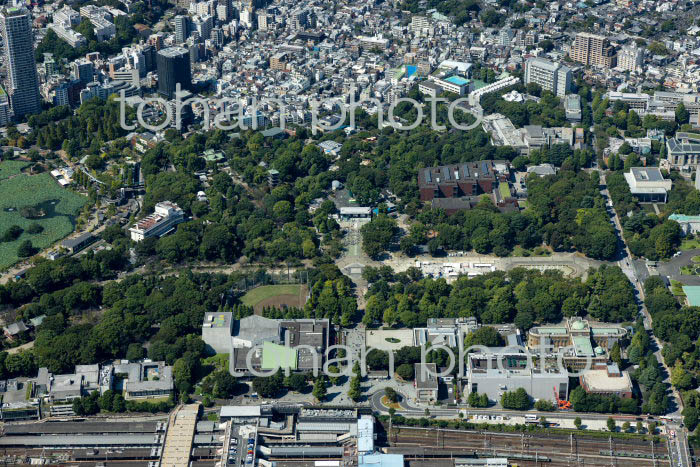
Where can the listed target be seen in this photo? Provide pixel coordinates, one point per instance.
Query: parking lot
(241, 445)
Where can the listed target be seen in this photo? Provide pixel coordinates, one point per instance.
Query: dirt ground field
(276, 296)
(377, 338)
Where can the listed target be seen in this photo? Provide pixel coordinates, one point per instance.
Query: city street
(630, 269)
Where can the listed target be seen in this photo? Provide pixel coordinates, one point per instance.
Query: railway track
(557, 449)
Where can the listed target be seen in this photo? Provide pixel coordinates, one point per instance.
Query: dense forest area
(520, 296)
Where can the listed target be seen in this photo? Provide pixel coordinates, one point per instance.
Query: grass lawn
(10, 168)
(504, 189)
(523, 204)
(387, 403)
(258, 294)
(59, 206)
(695, 259)
(218, 361)
(677, 288)
(690, 245)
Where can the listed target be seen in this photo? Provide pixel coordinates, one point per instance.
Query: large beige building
(592, 49)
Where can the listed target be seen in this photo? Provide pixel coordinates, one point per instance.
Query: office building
(181, 28)
(630, 58)
(66, 17)
(203, 25)
(166, 216)
(247, 17)
(83, 70)
(648, 184)
(486, 377)
(549, 75)
(173, 68)
(263, 20)
(426, 382)
(592, 49)
(23, 82)
(572, 108)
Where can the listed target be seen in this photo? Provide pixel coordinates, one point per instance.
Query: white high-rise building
(630, 58)
(23, 82)
(551, 76)
(203, 25)
(181, 28)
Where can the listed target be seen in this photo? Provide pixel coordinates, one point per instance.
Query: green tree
(295, 382)
(615, 354)
(577, 423)
(26, 249)
(543, 405)
(391, 395)
(320, 388)
(135, 352)
(611, 424)
(682, 114)
(485, 335)
(405, 371)
(377, 235)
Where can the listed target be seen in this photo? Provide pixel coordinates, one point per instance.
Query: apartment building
(549, 75)
(592, 49)
(630, 58)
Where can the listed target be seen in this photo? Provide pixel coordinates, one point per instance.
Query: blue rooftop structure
(380, 460)
(458, 80)
(411, 70)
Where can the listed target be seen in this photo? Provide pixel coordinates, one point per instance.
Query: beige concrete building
(592, 49)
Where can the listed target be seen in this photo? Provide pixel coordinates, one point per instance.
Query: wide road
(407, 410)
(624, 260)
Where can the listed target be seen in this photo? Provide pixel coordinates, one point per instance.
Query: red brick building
(458, 180)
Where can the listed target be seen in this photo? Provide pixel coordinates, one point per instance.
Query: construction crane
(562, 404)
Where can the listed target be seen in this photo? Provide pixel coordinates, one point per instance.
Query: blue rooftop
(380, 460)
(458, 80)
(410, 70)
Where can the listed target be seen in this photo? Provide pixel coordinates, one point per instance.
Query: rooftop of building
(173, 51)
(683, 218)
(217, 320)
(453, 173)
(600, 381)
(692, 294)
(427, 380)
(646, 174)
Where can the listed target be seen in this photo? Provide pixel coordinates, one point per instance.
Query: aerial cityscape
(453, 233)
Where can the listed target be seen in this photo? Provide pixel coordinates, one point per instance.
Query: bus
(531, 419)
